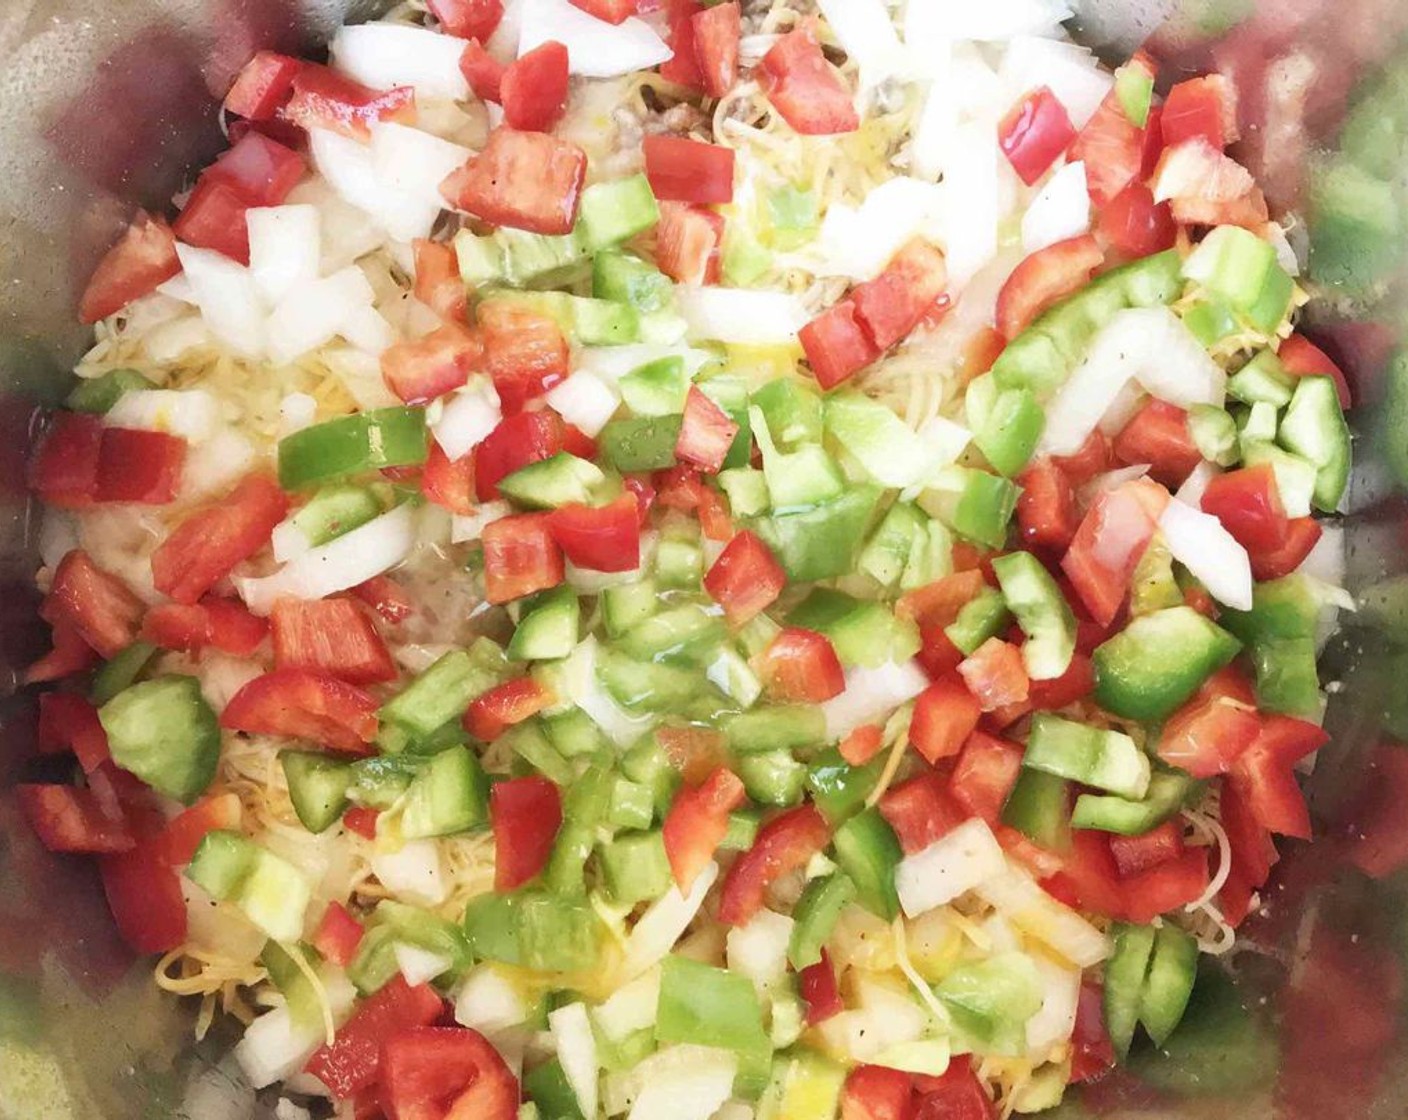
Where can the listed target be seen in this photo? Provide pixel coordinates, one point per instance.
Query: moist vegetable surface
(699, 562)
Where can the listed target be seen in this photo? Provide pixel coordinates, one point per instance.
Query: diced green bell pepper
(822, 542)
(1093, 756)
(746, 489)
(1010, 431)
(119, 671)
(529, 742)
(1039, 807)
(657, 388)
(640, 443)
(982, 617)
(815, 917)
(794, 412)
(1314, 428)
(863, 632)
(635, 868)
(558, 480)
(394, 923)
(99, 394)
(776, 728)
(838, 788)
(627, 279)
(1173, 968)
(689, 634)
(1158, 661)
(547, 626)
(449, 794)
(292, 981)
(1286, 677)
(798, 479)
(317, 786)
(991, 1000)
(443, 692)
(1125, 973)
(335, 510)
(268, 890)
(743, 826)
(868, 851)
(708, 1006)
(349, 445)
(1262, 380)
(615, 210)
(165, 733)
(1134, 86)
(1042, 613)
(1214, 433)
(1242, 269)
(547, 1087)
(772, 777)
(1168, 791)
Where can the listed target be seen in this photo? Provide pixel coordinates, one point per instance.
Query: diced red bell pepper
(805, 89)
(877, 1093)
(387, 597)
(945, 714)
(1158, 435)
(525, 353)
(1168, 886)
(94, 602)
(836, 345)
(352, 1062)
(525, 180)
(612, 11)
(526, 814)
(696, 752)
(1265, 778)
(209, 543)
(599, 538)
(1207, 735)
(64, 469)
(1107, 547)
(493, 713)
(697, 822)
(144, 894)
(528, 437)
(261, 170)
(1076, 683)
(70, 654)
(956, 1095)
(706, 433)
(338, 935)
(801, 666)
(361, 820)
(717, 31)
(323, 98)
(67, 722)
(1134, 225)
(1092, 1054)
(262, 86)
(681, 488)
(444, 1073)
(420, 369)
(683, 65)
(298, 704)
(183, 833)
(984, 775)
(438, 283)
(1046, 508)
(938, 603)
(1043, 278)
(144, 256)
(1205, 187)
(1248, 503)
(534, 88)
(1253, 850)
(995, 674)
(689, 243)
(746, 579)
(483, 72)
(135, 465)
(921, 810)
(1034, 133)
(1089, 879)
(1093, 458)
(468, 19)
(889, 307)
(1204, 108)
(1302, 358)
(214, 218)
(816, 984)
(1111, 145)
(520, 557)
(862, 744)
(70, 819)
(1302, 535)
(332, 636)
(221, 624)
(1136, 854)
(684, 170)
(783, 845)
(449, 483)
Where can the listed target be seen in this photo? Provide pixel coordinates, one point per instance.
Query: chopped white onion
(630, 1007)
(950, 866)
(273, 1047)
(285, 247)
(470, 527)
(1070, 71)
(932, 138)
(1016, 895)
(871, 695)
(1060, 210)
(227, 297)
(758, 949)
(170, 341)
(385, 55)
(215, 463)
(351, 171)
(58, 535)
(662, 924)
(927, 22)
(420, 966)
(584, 400)
(467, 417)
(1147, 345)
(413, 872)
(972, 200)
(684, 1086)
(296, 412)
(1211, 554)
(345, 231)
(178, 288)
(859, 241)
(344, 562)
(313, 311)
(595, 48)
(1196, 484)
(611, 363)
(191, 414)
(1056, 1018)
(584, 690)
(576, 1050)
(489, 1001)
(867, 35)
(367, 329)
(360, 374)
(883, 1018)
(740, 315)
(289, 541)
(409, 160)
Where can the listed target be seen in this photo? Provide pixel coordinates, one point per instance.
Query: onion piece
(413, 872)
(859, 241)
(1055, 1020)
(927, 23)
(312, 313)
(296, 412)
(576, 1050)
(416, 162)
(367, 329)
(215, 463)
(191, 414)
(952, 865)
(470, 527)
(179, 288)
(285, 246)
(1211, 554)
(867, 35)
(630, 1007)
(351, 171)
(611, 363)
(489, 1001)
(740, 315)
(227, 297)
(1060, 210)
(683, 1083)
(346, 232)
(273, 1047)
(584, 690)
(1016, 896)
(972, 200)
(467, 418)
(353, 558)
(662, 924)
(585, 401)
(386, 55)
(871, 695)
(758, 949)
(419, 966)
(1070, 71)
(595, 48)
(1196, 484)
